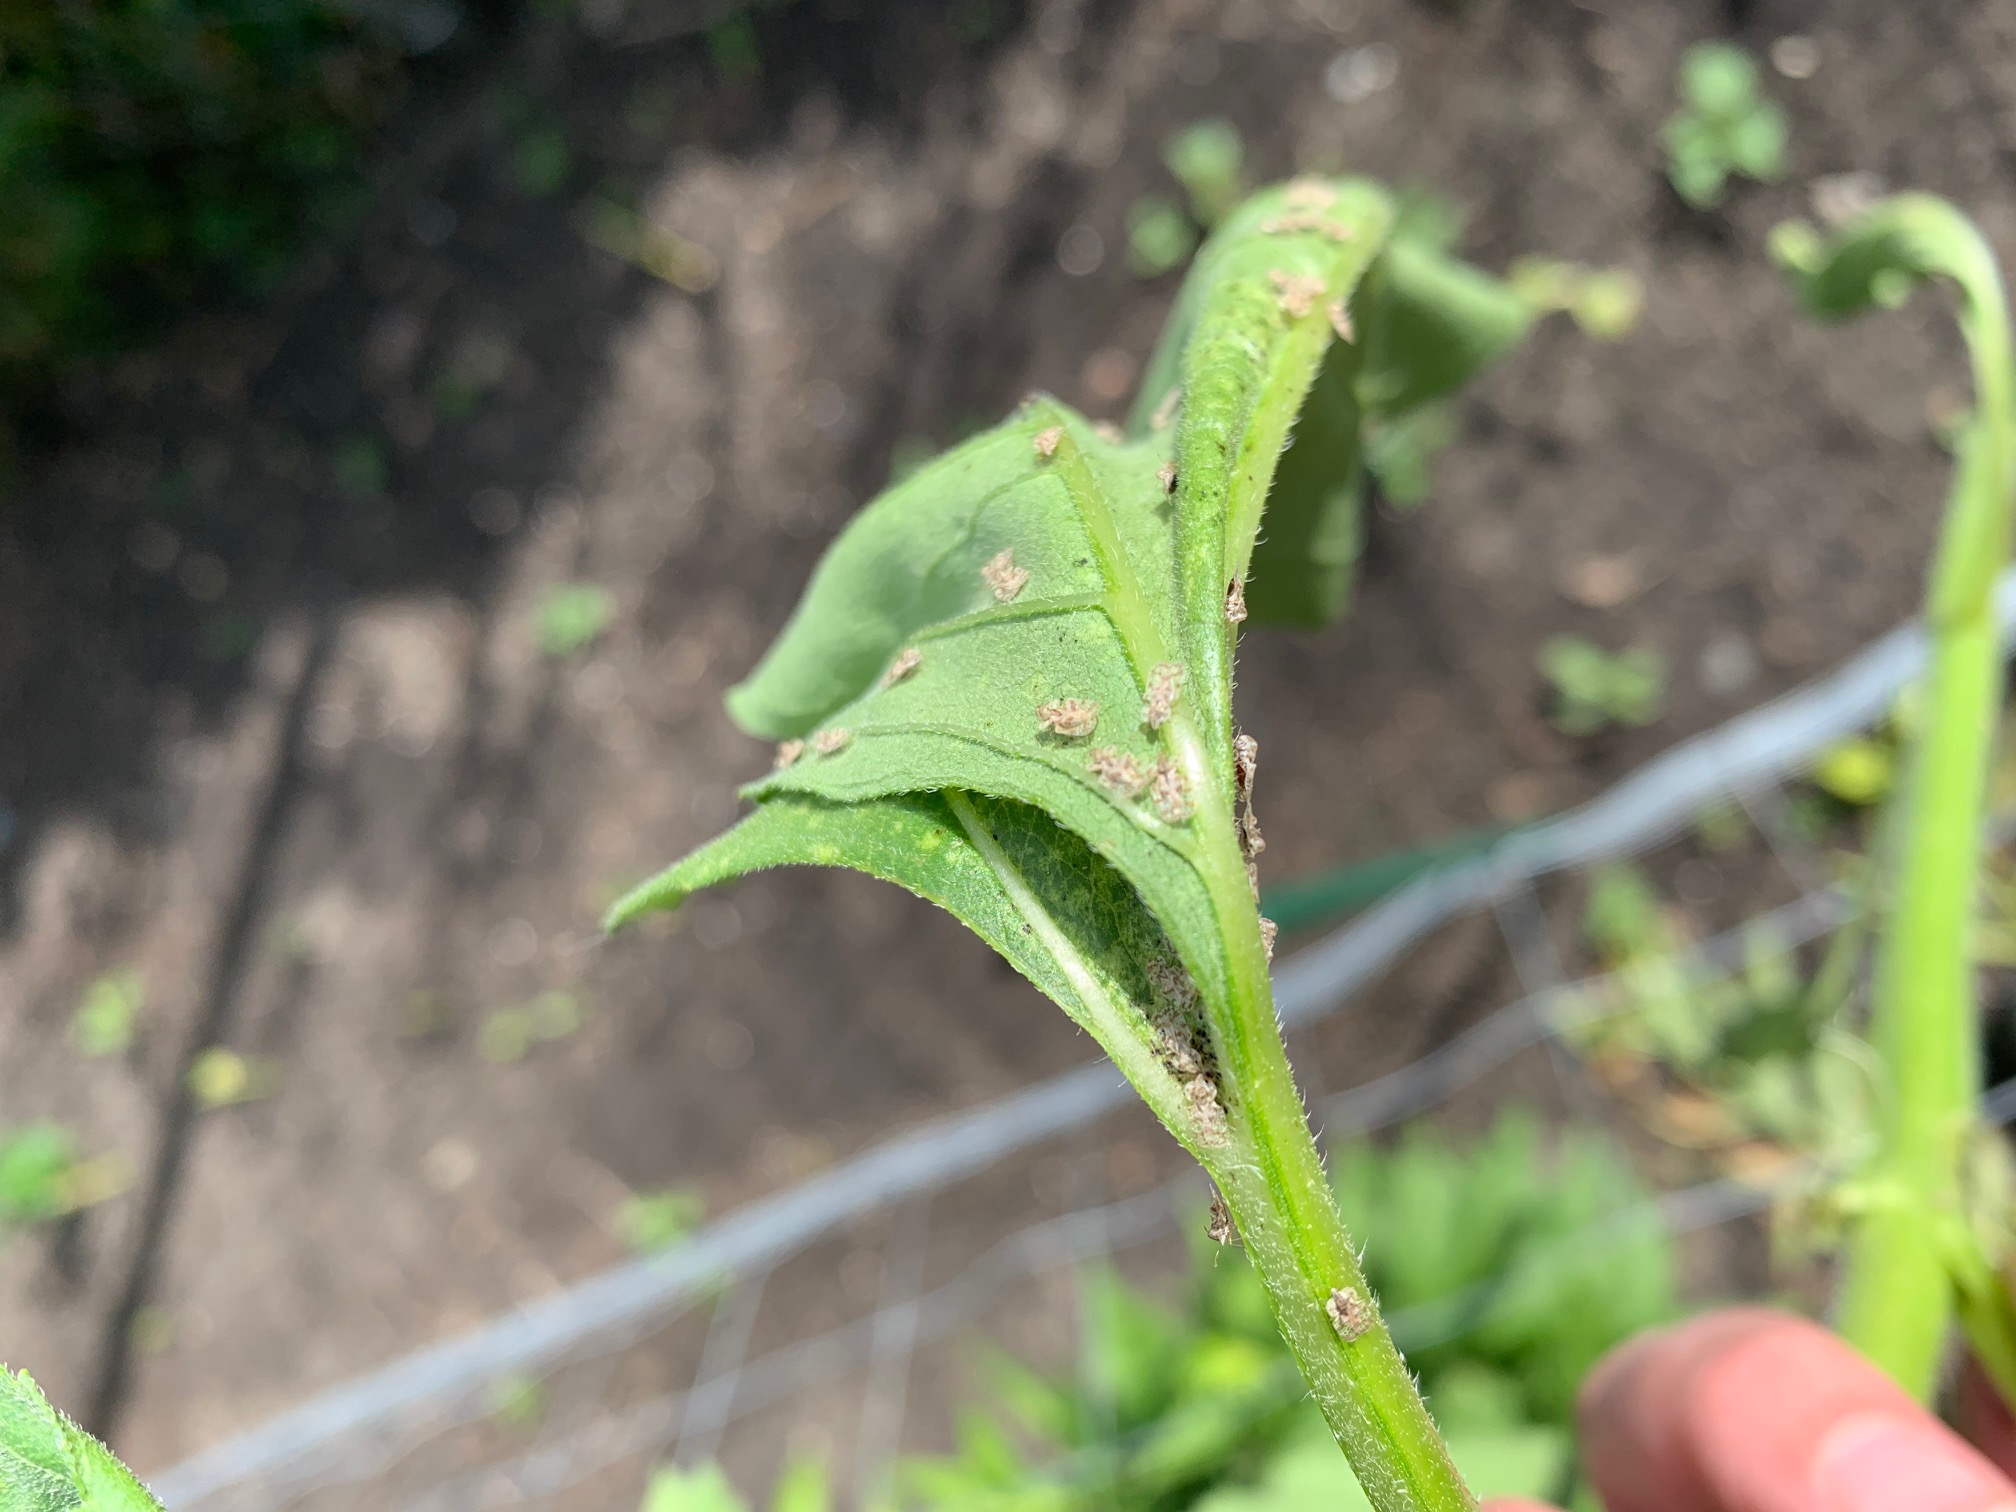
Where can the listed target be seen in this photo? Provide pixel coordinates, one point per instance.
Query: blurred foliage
(103, 1023)
(1208, 159)
(1726, 126)
(1594, 688)
(1505, 1268)
(805, 1486)
(571, 617)
(151, 150)
(653, 1221)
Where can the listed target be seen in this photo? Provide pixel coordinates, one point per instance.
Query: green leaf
(49, 1464)
(1431, 324)
(703, 1490)
(805, 1486)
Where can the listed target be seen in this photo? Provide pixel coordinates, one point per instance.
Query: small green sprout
(103, 1022)
(1159, 237)
(542, 161)
(518, 1401)
(572, 616)
(221, 1078)
(510, 1032)
(1209, 161)
(1725, 126)
(1859, 771)
(1595, 689)
(361, 469)
(36, 1162)
(1604, 302)
(654, 1221)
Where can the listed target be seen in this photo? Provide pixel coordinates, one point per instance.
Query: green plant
(803, 1487)
(103, 1022)
(49, 1464)
(1209, 160)
(1929, 1215)
(36, 1163)
(1008, 689)
(571, 617)
(654, 1221)
(1594, 688)
(1726, 125)
(1482, 1254)
(1159, 237)
(150, 153)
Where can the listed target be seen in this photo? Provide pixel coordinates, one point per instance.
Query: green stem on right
(1910, 1244)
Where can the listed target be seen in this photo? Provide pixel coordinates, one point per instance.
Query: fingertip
(1983, 1418)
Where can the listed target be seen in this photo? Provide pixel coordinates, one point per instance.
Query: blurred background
(417, 412)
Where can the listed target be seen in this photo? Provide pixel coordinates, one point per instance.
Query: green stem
(1899, 1297)
(1272, 1179)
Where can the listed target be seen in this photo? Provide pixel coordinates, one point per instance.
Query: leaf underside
(971, 666)
(49, 1464)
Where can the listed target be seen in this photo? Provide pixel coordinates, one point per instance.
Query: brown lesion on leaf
(1235, 602)
(1269, 932)
(1321, 225)
(1220, 1229)
(832, 742)
(1003, 577)
(787, 754)
(1046, 440)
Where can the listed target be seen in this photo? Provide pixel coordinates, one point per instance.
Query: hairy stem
(1902, 1267)
(1272, 1179)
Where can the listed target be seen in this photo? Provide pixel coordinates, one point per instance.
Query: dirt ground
(283, 741)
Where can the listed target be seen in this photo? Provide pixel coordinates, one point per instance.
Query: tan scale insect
(1309, 194)
(1235, 602)
(1178, 1048)
(1106, 430)
(1165, 683)
(831, 742)
(1221, 1229)
(1173, 983)
(1206, 1112)
(907, 661)
(1251, 841)
(1269, 932)
(1047, 439)
(1072, 718)
(1340, 321)
(1116, 769)
(1296, 293)
(1003, 576)
(1347, 1313)
(1286, 225)
(787, 753)
(1245, 764)
(1169, 790)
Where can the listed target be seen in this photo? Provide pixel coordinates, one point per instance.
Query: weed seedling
(571, 617)
(1726, 126)
(1595, 689)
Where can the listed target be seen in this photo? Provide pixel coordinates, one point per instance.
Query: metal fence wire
(839, 1313)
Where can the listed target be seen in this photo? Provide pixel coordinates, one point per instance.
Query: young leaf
(49, 1464)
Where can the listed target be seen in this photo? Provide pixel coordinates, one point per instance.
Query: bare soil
(287, 745)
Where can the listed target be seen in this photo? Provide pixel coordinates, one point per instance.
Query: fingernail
(1880, 1462)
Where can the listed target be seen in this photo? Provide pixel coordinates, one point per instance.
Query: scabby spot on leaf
(1289, 225)
(787, 752)
(1235, 602)
(1207, 1114)
(1046, 440)
(1071, 718)
(1003, 576)
(1220, 1229)
(831, 742)
(1309, 194)
(1269, 932)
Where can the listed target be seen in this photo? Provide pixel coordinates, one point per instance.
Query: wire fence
(838, 1311)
